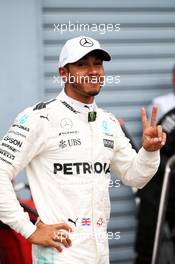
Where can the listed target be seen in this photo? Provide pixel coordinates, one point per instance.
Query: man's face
(85, 77)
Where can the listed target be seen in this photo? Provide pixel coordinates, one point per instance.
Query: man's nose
(93, 70)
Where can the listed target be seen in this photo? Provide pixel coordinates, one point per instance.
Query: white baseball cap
(76, 48)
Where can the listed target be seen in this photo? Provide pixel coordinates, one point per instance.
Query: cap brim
(104, 55)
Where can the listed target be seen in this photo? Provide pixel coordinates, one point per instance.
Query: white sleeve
(23, 141)
(134, 169)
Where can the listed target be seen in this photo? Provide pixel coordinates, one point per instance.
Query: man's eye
(81, 64)
(99, 63)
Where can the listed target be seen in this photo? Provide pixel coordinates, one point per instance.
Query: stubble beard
(89, 93)
(94, 93)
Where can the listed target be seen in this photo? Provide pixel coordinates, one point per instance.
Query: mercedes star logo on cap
(86, 42)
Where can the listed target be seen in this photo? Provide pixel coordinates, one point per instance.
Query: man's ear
(63, 72)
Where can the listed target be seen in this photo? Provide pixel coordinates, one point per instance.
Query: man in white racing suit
(69, 147)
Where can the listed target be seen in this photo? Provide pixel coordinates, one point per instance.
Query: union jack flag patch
(86, 221)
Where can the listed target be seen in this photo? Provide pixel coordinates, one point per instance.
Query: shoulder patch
(39, 106)
(42, 105)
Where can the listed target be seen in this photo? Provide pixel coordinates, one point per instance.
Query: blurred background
(143, 55)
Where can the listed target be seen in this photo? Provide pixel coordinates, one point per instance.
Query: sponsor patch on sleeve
(108, 143)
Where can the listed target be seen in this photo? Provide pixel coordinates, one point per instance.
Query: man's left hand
(153, 136)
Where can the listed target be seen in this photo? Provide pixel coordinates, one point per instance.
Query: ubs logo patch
(69, 143)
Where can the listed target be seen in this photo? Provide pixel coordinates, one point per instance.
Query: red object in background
(121, 122)
(14, 248)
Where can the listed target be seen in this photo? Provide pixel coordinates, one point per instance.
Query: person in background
(164, 102)
(150, 194)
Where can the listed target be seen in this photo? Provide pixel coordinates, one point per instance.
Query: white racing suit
(68, 162)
